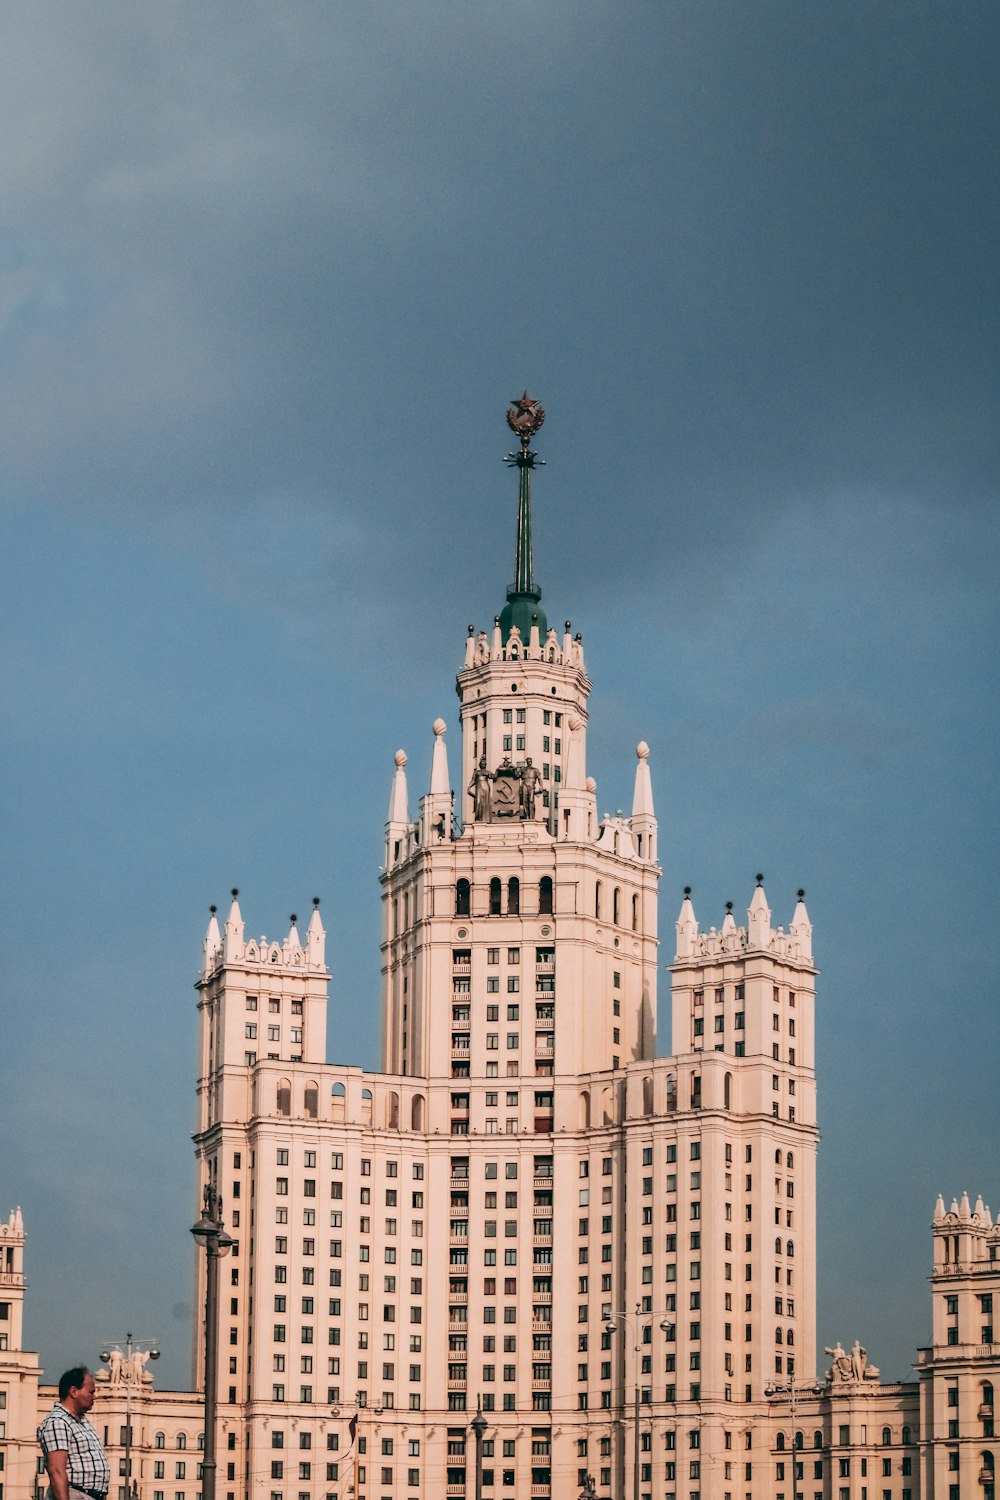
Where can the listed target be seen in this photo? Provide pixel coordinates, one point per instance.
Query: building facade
(527, 1212)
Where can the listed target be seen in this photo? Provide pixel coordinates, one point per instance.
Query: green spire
(523, 607)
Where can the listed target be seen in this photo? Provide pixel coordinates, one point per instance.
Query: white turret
(316, 939)
(801, 928)
(759, 918)
(436, 807)
(212, 946)
(643, 818)
(397, 828)
(233, 945)
(687, 927)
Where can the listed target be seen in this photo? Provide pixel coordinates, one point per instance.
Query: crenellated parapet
(233, 947)
(484, 649)
(758, 935)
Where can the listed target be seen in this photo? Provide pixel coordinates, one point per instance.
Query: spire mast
(524, 418)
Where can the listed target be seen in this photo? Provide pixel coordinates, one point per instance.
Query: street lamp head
(204, 1228)
(154, 1353)
(664, 1326)
(105, 1355)
(611, 1326)
(769, 1390)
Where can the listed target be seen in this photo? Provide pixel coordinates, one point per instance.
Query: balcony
(542, 1385)
(462, 968)
(459, 1210)
(541, 1241)
(457, 1385)
(454, 1489)
(543, 1182)
(542, 1297)
(458, 1296)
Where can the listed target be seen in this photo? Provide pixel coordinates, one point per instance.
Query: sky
(269, 276)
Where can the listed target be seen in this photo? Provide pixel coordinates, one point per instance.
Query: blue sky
(268, 278)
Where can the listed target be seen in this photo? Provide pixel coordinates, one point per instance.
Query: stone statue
(531, 781)
(136, 1371)
(114, 1371)
(841, 1369)
(479, 790)
(850, 1367)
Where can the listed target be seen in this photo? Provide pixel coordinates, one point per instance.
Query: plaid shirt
(86, 1466)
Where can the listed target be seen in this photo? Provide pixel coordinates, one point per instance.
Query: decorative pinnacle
(687, 890)
(760, 878)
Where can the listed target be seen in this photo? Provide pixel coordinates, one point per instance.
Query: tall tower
(525, 868)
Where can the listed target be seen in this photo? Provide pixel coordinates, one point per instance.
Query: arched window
(495, 897)
(182, 1441)
(647, 1096)
(777, 1247)
(159, 1441)
(789, 1248)
(406, 910)
(799, 1438)
(727, 1091)
(886, 1436)
(338, 1091)
(463, 898)
(395, 916)
(789, 1161)
(513, 896)
(284, 1100)
(790, 1337)
(780, 1442)
(635, 913)
(311, 1100)
(597, 901)
(905, 1435)
(545, 896)
(986, 1398)
(777, 1158)
(616, 902)
(777, 1335)
(417, 1112)
(201, 1442)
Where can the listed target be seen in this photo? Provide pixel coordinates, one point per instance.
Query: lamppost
(478, 1428)
(210, 1231)
(133, 1367)
(790, 1391)
(611, 1326)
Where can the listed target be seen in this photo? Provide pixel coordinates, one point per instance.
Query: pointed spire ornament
(316, 938)
(398, 812)
(440, 785)
(687, 927)
(759, 918)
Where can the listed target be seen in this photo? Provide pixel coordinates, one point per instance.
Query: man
(74, 1456)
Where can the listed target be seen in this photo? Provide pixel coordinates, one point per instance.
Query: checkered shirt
(86, 1466)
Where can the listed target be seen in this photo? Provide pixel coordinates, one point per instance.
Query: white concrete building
(528, 1211)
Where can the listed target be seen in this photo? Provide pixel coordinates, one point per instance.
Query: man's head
(77, 1390)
